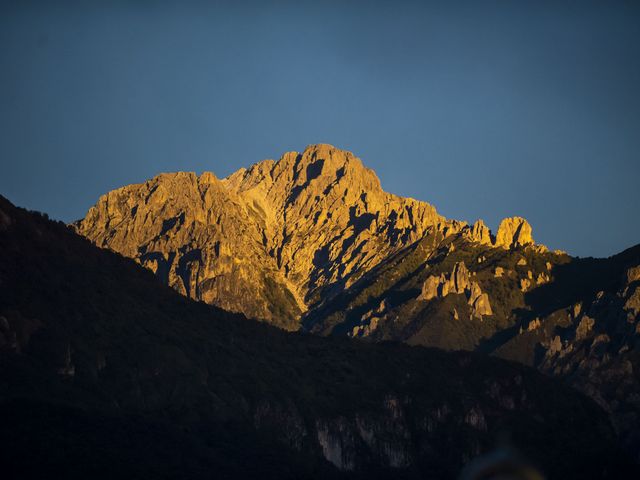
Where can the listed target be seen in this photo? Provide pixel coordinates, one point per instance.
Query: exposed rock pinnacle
(513, 232)
(277, 238)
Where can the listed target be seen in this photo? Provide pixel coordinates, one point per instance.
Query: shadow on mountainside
(365, 293)
(580, 280)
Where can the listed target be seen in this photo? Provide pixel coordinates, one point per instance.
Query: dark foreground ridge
(107, 373)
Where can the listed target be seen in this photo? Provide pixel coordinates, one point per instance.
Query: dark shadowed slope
(578, 319)
(105, 372)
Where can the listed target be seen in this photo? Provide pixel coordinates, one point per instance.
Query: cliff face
(106, 372)
(327, 219)
(199, 238)
(274, 240)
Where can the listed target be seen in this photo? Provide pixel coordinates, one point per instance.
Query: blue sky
(484, 109)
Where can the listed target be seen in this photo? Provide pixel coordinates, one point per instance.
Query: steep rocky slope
(274, 240)
(577, 319)
(200, 239)
(586, 330)
(105, 372)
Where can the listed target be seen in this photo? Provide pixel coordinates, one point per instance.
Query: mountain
(105, 372)
(312, 243)
(275, 240)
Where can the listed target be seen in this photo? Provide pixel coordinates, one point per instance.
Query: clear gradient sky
(486, 109)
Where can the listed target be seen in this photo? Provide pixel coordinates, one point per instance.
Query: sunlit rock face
(276, 239)
(198, 237)
(514, 232)
(326, 216)
(266, 240)
(480, 233)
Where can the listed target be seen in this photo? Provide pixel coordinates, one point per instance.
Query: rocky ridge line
(273, 240)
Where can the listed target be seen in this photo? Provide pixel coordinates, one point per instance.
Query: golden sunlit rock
(513, 232)
(271, 240)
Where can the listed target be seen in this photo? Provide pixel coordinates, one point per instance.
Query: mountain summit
(276, 239)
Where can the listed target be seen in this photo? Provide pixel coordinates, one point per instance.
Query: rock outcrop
(431, 287)
(633, 275)
(513, 232)
(631, 293)
(480, 233)
(369, 321)
(457, 282)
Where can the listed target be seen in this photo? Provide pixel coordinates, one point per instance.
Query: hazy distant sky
(484, 109)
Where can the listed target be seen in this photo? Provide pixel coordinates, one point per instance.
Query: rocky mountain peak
(480, 233)
(274, 239)
(297, 182)
(323, 160)
(513, 232)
